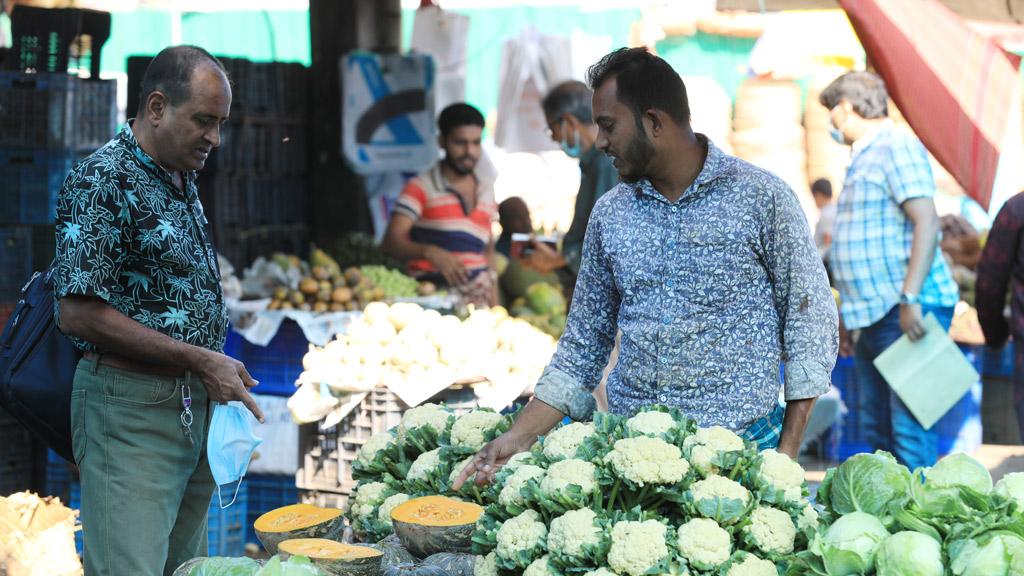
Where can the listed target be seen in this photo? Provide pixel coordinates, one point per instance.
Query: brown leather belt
(122, 363)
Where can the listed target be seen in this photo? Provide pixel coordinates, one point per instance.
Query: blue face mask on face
(574, 151)
(836, 134)
(229, 445)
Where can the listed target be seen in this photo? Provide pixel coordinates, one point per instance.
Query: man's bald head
(514, 216)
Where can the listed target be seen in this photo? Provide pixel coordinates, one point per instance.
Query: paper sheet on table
(930, 375)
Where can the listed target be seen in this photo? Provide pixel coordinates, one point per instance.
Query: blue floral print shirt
(710, 294)
(127, 235)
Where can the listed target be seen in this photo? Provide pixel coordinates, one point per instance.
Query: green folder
(930, 375)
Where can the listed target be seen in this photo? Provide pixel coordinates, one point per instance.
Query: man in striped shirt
(441, 224)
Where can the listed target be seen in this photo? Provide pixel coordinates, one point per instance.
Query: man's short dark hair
(456, 115)
(822, 186)
(644, 81)
(170, 72)
(863, 90)
(573, 98)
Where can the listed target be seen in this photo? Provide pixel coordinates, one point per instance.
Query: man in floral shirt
(139, 293)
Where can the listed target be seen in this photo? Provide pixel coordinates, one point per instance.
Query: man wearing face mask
(706, 265)
(567, 110)
(139, 292)
(884, 262)
(441, 224)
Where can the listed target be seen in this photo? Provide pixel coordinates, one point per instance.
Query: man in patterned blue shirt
(705, 264)
(139, 293)
(886, 268)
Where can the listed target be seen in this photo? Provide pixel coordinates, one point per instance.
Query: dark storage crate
(278, 364)
(226, 528)
(31, 181)
(17, 456)
(15, 260)
(53, 40)
(53, 111)
(266, 493)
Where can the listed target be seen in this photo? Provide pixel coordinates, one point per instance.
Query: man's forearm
(535, 420)
(922, 253)
(110, 331)
(798, 412)
(405, 249)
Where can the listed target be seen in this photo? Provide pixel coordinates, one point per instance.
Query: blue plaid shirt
(872, 235)
(709, 292)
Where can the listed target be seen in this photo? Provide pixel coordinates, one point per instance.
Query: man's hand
(542, 258)
(448, 265)
(492, 457)
(845, 342)
(910, 321)
(226, 379)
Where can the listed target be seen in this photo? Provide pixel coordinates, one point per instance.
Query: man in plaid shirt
(884, 258)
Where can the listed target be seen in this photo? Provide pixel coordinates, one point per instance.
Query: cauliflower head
(485, 566)
(458, 470)
(771, 530)
(706, 443)
(753, 566)
(637, 546)
(539, 567)
(373, 446)
(646, 460)
(524, 533)
(563, 442)
(704, 543)
(720, 499)
(808, 518)
(470, 430)
(511, 493)
(563, 473)
(600, 572)
(781, 473)
(424, 465)
(651, 423)
(390, 503)
(368, 497)
(432, 415)
(573, 530)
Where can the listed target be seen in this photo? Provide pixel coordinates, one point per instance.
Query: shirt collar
(714, 163)
(866, 140)
(127, 137)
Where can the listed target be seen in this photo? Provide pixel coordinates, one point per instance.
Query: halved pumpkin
(433, 524)
(297, 521)
(334, 557)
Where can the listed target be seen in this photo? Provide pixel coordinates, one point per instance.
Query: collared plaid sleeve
(995, 268)
(909, 173)
(568, 382)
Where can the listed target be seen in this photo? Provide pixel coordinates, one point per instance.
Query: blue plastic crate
(277, 365)
(15, 261)
(226, 528)
(32, 179)
(75, 503)
(59, 477)
(267, 493)
(998, 362)
(56, 111)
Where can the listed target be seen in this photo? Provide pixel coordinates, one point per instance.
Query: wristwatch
(908, 299)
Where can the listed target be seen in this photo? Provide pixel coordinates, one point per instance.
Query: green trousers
(145, 488)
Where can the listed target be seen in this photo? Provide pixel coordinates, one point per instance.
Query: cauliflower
(432, 415)
(390, 503)
(458, 470)
(807, 520)
(573, 530)
(510, 494)
(706, 443)
(517, 460)
(521, 539)
(540, 567)
(485, 566)
(600, 572)
(562, 474)
(368, 497)
(780, 476)
(424, 465)
(646, 460)
(373, 446)
(704, 543)
(563, 442)
(652, 423)
(470, 430)
(720, 499)
(753, 566)
(771, 531)
(637, 546)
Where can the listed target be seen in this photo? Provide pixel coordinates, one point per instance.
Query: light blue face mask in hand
(229, 445)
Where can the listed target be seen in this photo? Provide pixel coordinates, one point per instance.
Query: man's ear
(654, 120)
(156, 106)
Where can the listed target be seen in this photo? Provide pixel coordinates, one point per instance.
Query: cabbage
(992, 554)
(952, 487)
(1012, 487)
(849, 546)
(870, 483)
(218, 566)
(909, 554)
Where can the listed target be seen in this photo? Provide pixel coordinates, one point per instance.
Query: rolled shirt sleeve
(808, 319)
(568, 382)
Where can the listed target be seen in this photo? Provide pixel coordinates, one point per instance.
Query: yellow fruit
(298, 298)
(341, 295)
(309, 286)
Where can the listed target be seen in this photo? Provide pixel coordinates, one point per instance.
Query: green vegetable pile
(947, 520)
(394, 283)
(221, 566)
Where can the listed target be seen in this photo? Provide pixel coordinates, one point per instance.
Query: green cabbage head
(909, 554)
(849, 546)
(868, 483)
(992, 554)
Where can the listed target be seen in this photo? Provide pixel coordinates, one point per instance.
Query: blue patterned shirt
(128, 235)
(710, 293)
(872, 235)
